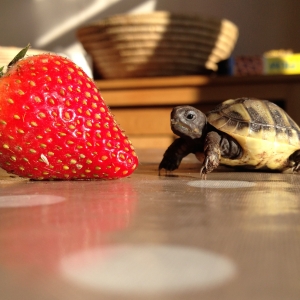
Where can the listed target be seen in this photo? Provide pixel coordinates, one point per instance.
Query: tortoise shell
(266, 133)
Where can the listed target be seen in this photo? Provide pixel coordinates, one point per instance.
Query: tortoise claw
(203, 170)
(202, 174)
(296, 168)
(210, 163)
(159, 172)
(167, 172)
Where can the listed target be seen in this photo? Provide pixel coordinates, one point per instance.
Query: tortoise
(243, 132)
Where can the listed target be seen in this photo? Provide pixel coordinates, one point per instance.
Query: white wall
(51, 24)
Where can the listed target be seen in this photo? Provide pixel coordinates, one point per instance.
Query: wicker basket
(157, 44)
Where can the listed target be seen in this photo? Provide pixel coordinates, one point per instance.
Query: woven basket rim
(164, 17)
(126, 45)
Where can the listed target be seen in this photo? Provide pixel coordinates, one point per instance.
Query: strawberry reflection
(38, 236)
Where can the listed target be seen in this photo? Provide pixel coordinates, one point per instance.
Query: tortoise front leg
(175, 153)
(212, 153)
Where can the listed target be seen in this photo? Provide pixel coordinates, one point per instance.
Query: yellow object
(283, 64)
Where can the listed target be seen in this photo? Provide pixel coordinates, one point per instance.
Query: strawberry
(54, 123)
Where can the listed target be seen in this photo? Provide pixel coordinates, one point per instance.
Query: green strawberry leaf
(19, 56)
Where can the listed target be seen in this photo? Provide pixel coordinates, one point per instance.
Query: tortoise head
(187, 121)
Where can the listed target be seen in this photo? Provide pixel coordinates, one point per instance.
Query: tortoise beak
(196, 130)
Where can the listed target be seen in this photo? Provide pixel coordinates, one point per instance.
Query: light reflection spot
(221, 184)
(29, 200)
(147, 269)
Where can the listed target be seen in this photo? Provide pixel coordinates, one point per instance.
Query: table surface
(233, 236)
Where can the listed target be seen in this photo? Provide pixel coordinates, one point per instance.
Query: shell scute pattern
(258, 112)
(259, 119)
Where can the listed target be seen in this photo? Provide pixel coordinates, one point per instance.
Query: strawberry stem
(19, 56)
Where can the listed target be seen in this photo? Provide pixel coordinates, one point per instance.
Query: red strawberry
(54, 123)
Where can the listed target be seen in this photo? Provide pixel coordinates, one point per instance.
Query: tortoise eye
(190, 116)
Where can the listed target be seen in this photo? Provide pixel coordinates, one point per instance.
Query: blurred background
(51, 24)
(260, 26)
